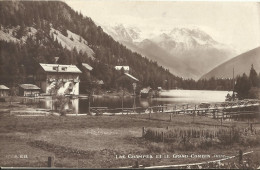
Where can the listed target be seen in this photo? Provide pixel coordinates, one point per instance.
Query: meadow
(114, 141)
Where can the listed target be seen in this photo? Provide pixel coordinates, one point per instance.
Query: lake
(167, 97)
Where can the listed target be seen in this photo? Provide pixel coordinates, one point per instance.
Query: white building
(126, 68)
(49, 74)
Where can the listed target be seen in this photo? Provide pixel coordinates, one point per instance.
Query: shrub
(250, 140)
(156, 147)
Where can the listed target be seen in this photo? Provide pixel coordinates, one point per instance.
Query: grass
(94, 141)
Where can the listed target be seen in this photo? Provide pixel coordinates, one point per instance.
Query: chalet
(87, 68)
(126, 80)
(49, 74)
(29, 90)
(125, 68)
(4, 91)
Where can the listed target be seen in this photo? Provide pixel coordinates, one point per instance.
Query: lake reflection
(167, 97)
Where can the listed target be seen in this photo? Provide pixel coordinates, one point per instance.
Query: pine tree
(253, 76)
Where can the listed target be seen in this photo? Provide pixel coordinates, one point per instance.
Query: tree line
(248, 86)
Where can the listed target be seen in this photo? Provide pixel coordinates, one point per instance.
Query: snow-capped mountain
(121, 33)
(187, 52)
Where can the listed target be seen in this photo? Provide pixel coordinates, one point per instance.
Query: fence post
(50, 161)
(162, 108)
(170, 116)
(240, 156)
(162, 136)
(230, 135)
(150, 110)
(136, 164)
(143, 131)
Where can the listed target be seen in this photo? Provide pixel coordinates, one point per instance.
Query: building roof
(60, 68)
(120, 67)
(132, 77)
(29, 87)
(87, 66)
(145, 90)
(3, 87)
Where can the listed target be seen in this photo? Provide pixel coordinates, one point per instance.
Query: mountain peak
(191, 35)
(189, 46)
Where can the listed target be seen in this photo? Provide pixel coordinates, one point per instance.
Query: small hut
(29, 90)
(146, 92)
(4, 91)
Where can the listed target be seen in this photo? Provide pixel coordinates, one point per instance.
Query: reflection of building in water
(48, 75)
(72, 105)
(75, 105)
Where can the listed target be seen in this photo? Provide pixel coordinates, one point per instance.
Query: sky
(233, 23)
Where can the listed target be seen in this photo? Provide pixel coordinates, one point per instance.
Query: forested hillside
(34, 32)
(20, 58)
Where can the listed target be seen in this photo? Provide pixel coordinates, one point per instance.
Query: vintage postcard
(122, 84)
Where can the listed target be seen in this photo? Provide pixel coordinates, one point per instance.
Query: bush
(156, 147)
(250, 140)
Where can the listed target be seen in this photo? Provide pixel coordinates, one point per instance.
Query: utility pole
(233, 94)
(134, 87)
(123, 100)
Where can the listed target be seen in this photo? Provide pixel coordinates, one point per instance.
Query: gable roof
(132, 77)
(126, 68)
(60, 68)
(3, 87)
(29, 87)
(87, 66)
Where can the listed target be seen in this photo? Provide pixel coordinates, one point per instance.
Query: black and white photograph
(129, 84)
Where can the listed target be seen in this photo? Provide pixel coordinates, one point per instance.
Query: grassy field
(98, 141)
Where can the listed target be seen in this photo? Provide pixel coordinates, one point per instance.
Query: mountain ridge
(240, 63)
